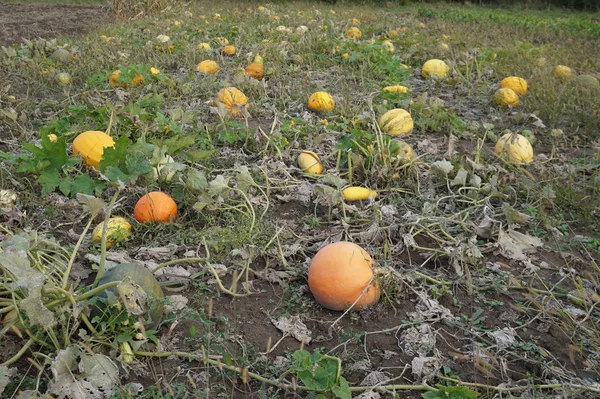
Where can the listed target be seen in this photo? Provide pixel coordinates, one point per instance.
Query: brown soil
(21, 21)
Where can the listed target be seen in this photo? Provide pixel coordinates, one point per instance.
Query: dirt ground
(21, 21)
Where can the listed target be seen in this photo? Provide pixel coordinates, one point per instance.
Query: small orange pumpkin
(229, 50)
(340, 274)
(208, 66)
(155, 207)
(233, 99)
(256, 70)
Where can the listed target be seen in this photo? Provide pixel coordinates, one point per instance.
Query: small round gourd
(90, 145)
(403, 150)
(63, 79)
(321, 101)
(396, 122)
(118, 229)
(587, 82)
(208, 66)
(341, 274)
(506, 97)
(142, 277)
(309, 162)
(514, 148)
(155, 206)
(233, 99)
(435, 69)
(519, 85)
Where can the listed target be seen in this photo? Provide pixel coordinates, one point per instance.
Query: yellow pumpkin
(519, 85)
(353, 33)
(90, 145)
(258, 60)
(119, 229)
(355, 193)
(393, 33)
(256, 70)
(506, 97)
(321, 101)
(403, 150)
(208, 66)
(388, 46)
(396, 122)
(514, 148)
(229, 50)
(396, 89)
(309, 162)
(435, 68)
(233, 99)
(563, 72)
(203, 47)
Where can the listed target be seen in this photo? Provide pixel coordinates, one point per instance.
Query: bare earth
(20, 21)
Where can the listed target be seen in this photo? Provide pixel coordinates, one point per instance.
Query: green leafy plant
(445, 392)
(320, 373)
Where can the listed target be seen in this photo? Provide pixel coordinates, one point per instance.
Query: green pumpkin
(141, 276)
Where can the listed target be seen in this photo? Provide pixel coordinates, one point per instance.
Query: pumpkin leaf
(514, 216)
(92, 204)
(94, 376)
(442, 168)
(5, 375)
(219, 185)
(293, 326)
(244, 179)
(342, 389)
(17, 263)
(515, 245)
(195, 179)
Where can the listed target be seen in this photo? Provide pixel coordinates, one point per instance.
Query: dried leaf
(293, 326)
(5, 375)
(461, 178)
(515, 245)
(514, 216)
(244, 179)
(442, 168)
(218, 186)
(90, 203)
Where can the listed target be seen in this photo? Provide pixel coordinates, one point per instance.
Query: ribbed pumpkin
(63, 78)
(563, 72)
(396, 89)
(233, 99)
(118, 230)
(256, 70)
(353, 33)
(229, 50)
(140, 276)
(309, 162)
(396, 122)
(514, 148)
(321, 101)
(155, 206)
(519, 85)
(506, 97)
(435, 68)
(90, 145)
(208, 66)
(340, 274)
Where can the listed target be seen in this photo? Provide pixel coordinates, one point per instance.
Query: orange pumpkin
(340, 274)
(115, 79)
(208, 66)
(229, 50)
(155, 207)
(256, 70)
(233, 99)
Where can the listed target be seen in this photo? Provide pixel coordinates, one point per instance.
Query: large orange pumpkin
(155, 207)
(90, 145)
(339, 274)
